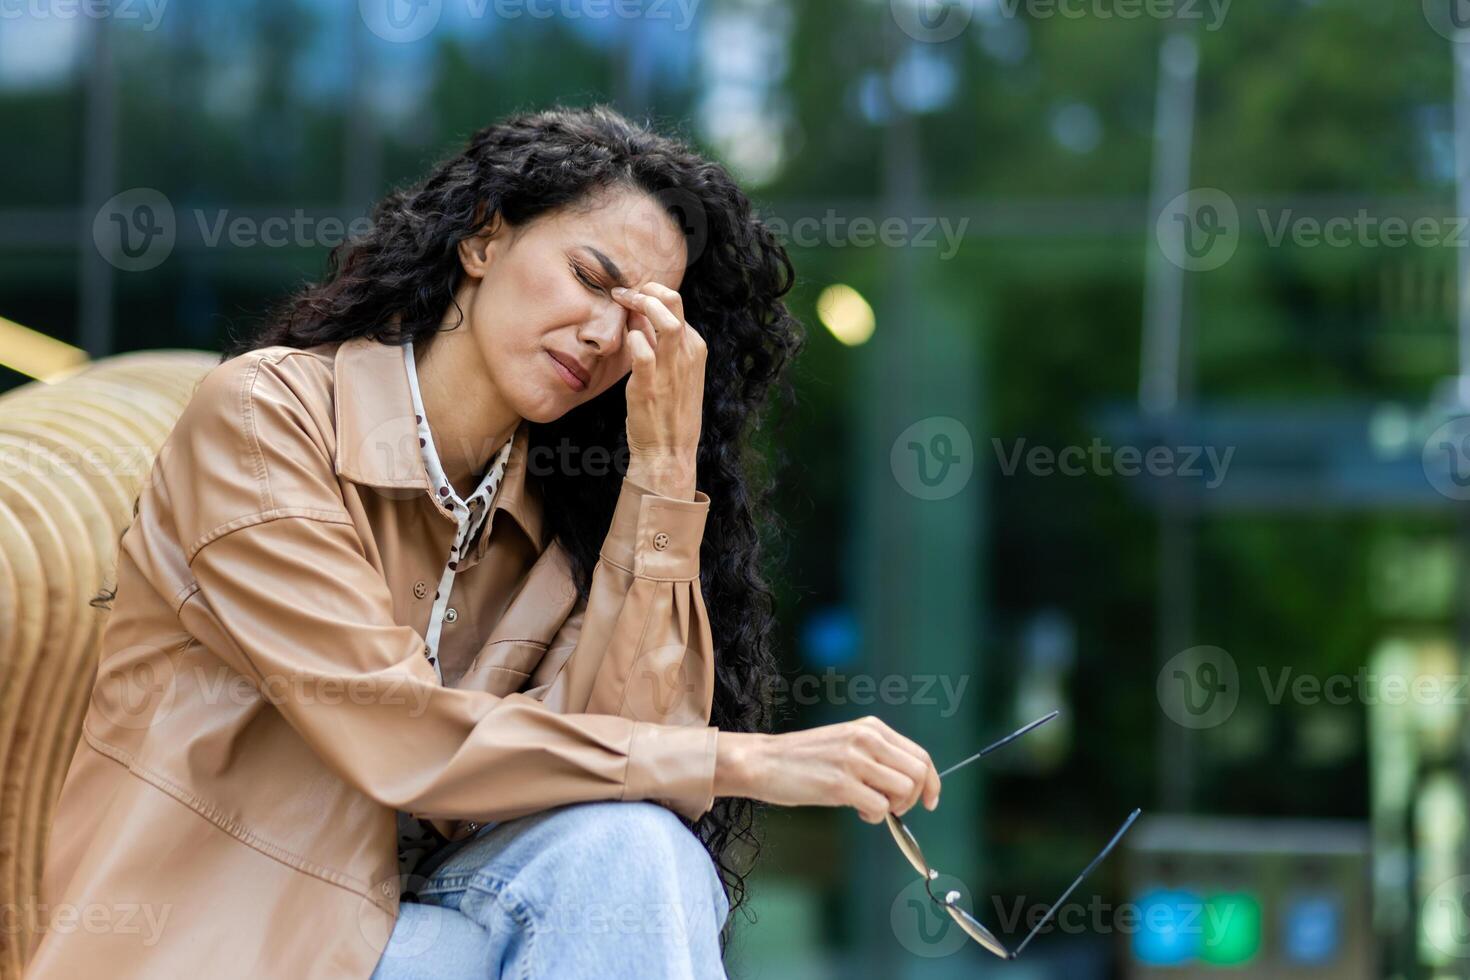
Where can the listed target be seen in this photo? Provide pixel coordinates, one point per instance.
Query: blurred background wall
(1134, 389)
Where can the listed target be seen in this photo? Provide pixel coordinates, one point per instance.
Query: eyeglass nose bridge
(967, 922)
(929, 878)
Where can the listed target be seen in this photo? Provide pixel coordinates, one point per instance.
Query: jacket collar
(377, 437)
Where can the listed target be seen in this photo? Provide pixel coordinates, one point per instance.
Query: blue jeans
(605, 889)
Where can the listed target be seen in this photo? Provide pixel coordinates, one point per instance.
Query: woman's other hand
(863, 764)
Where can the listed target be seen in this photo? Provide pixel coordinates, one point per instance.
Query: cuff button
(660, 541)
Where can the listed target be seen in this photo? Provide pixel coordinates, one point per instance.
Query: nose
(604, 332)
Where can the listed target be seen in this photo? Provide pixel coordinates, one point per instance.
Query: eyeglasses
(950, 901)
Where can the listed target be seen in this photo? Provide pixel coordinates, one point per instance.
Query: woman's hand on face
(863, 764)
(665, 390)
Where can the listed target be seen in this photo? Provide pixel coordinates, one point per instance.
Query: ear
(477, 251)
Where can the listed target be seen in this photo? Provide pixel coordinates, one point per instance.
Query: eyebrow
(608, 266)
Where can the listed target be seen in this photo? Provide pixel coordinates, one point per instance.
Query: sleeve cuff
(656, 537)
(673, 765)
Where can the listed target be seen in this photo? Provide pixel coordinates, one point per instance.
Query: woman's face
(541, 313)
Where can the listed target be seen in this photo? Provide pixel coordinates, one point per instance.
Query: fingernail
(618, 291)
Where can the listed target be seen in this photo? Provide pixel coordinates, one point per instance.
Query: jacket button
(420, 589)
(660, 541)
(450, 615)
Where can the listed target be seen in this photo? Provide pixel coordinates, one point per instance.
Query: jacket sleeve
(287, 597)
(639, 645)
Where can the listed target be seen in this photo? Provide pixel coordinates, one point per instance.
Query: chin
(543, 408)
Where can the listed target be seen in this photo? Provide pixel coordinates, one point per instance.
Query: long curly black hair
(522, 167)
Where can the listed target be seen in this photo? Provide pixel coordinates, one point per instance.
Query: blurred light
(36, 355)
(1180, 55)
(1232, 922)
(748, 137)
(1436, 128)
(872, 98)
(1169, 933)
(1076, 127)
(845, 313)
(923, 80)
(1004, 38)
(1311, 929)
(829, 637)
(39, 52)
(744, 55)
(1390, 428)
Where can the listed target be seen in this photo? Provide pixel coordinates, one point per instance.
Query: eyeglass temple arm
(1085, 872)
(1005, 741)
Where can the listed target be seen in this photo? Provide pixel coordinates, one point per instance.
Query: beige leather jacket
(263, 704)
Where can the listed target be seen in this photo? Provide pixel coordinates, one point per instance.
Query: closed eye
(586, 279)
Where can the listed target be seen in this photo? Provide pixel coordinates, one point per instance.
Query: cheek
(615, 372)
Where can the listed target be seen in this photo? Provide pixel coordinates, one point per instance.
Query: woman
(459, 555)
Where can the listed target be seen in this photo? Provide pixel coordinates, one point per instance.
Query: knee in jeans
(637, 845)
(633, 833)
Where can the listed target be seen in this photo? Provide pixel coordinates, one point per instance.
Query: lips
(571, 372)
